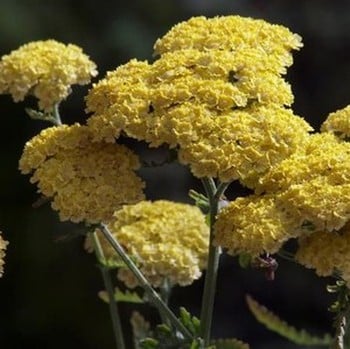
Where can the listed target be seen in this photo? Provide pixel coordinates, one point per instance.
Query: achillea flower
(221, 105)
(230, 33)
(168, 240)
(87, 181)
(338, 123)
(317, 203)
(323, 155)
(242, 144)
(253, 225)
(326, 252)
(3, 245)
(45, 69)
(120, 102)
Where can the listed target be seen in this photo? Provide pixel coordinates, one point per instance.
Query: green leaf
(191, 322)
(274, 323)
(231, 343)
(200, 200)
(127, 296)
(149, 343)
(119, 296)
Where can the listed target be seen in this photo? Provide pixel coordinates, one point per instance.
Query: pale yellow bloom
(338, 123)
(45, 69)
(3, 246)
(86, 180)
(326, 252)
(253, 225)
(168, 240)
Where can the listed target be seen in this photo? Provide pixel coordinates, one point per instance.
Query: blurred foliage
(49, 290)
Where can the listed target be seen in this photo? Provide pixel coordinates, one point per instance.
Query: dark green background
(48, 293)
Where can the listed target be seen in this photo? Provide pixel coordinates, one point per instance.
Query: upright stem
(151, 293)
(113, 306)
(214, 194)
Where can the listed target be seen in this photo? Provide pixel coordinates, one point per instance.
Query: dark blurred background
(48, 294)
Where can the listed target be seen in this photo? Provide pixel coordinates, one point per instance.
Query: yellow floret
(326, 252)
(231, 33)
(243, 144)
(338, 123)
(168, 240)
(323, 155)
(317, 203)
(253, 225)
(45, 69)
(86, 180)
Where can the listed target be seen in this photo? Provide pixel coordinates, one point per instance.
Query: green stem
(214, 195)
(151, 293)
(165, 290)
(113, 306)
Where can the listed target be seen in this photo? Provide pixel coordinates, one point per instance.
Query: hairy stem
(150, 292)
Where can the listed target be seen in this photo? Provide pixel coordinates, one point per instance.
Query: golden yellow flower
(221, 105)
(119, 102)
(326, 252)
(230, 33)
(86, 180)
(3, 246)
(45, 69)
(317, 203)
(242, 144)
(253, 225)
(168, 240)
(338, 123)
(323, 155)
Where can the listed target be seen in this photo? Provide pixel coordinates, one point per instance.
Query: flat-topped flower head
(317, 203)
(87, 181)
(242, 144)
(253, 225)
(46, 70)
(338, 123)
(223, 106)
(3, 246)
(323, 155)
(230, 33)
(168, 240)
(326, 252)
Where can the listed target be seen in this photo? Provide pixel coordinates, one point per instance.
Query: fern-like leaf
(231, 343)
(119, 296)
(274, 323)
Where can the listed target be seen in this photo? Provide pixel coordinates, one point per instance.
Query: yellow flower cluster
(216, 93)
(306, 193)
(231, 33)
(327, 252)
(168, 240)
(253, 225)
(87, 181)
(3, 245)
(244, 144)
(45, 69)
(338, 123)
